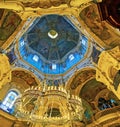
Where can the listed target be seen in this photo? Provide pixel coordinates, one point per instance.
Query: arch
(8, 102)
(112, 72)
(53, 112)
(97, 95)
(90, 91)
(26, 76)
(77, 81)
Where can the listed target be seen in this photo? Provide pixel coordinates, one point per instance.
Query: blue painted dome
(52, 44)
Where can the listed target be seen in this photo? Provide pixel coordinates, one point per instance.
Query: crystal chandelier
(49, 104)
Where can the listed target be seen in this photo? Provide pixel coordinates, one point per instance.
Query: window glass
(53, 66)
(35, 58)
(8, 103)
(71, 57)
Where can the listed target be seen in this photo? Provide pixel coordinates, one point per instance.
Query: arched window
(8, 103)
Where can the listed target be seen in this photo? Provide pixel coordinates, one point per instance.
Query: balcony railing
(107, 112)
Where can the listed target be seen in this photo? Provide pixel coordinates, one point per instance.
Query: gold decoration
(47, 99)
(5, 71)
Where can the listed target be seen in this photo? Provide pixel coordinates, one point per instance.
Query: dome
(52, 41)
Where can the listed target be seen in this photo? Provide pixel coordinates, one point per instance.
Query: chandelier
(48, 104)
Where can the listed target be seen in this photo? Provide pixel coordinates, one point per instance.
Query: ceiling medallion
(49, 105)
(52, 34)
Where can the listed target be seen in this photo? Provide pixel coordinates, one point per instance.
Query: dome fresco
(52, 44)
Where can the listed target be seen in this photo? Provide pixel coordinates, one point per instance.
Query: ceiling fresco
(38, 38)
(26, 77)
(52, 44)
(90, 16)
(9, 21)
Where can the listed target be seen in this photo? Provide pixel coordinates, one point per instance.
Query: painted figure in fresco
(92, 20)
(9, 24)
